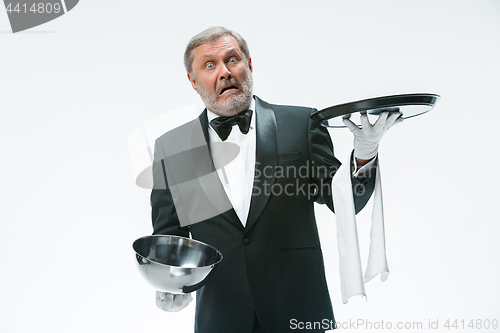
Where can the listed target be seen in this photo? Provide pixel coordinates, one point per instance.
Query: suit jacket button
(246, 240)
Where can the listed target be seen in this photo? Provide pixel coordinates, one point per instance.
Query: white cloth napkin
(351, 275)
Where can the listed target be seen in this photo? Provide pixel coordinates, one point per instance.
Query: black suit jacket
(273, 266)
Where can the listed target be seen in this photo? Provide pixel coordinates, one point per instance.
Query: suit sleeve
(163, 213)
(325, 165)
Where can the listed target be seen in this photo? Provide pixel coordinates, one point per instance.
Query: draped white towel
(351, 276)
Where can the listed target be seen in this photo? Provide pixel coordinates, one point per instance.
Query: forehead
(221, 46)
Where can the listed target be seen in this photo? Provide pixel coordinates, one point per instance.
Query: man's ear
(250, 64)
(192, 80)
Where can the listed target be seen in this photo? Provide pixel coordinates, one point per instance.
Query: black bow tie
(223, 125)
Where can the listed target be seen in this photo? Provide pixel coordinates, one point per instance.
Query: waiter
(259, 210)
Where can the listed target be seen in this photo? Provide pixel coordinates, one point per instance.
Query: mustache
(228, 83)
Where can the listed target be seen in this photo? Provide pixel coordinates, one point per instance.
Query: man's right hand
(172, 302)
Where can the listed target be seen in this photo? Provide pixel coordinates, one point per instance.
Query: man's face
(222, 76)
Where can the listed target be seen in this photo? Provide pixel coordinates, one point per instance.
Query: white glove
(367, 137)
(172, 302)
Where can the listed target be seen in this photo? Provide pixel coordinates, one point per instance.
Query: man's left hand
(172, 302)
(367, 138)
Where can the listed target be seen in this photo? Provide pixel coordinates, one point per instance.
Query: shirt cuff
(364, 169)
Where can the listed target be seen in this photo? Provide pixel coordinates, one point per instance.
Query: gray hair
(210, 35)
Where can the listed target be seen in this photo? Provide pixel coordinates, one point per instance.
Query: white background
(72, 90)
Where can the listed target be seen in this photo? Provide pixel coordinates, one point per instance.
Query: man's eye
(232, 60)
(210, 66)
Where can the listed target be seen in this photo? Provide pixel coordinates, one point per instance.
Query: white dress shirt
(237, 176)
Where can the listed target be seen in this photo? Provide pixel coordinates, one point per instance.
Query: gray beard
(231, 106)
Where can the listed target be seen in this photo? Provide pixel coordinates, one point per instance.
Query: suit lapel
(265, 163)
(265, 159)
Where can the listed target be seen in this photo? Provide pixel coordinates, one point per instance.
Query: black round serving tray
(409, 105)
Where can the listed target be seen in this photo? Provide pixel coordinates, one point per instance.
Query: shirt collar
(211, 115)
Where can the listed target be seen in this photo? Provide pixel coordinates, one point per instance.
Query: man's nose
(224, 73)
